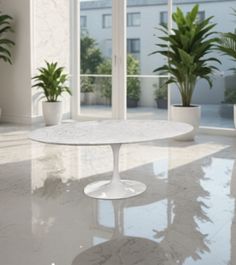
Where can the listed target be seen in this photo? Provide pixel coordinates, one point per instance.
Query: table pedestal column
(116, 188)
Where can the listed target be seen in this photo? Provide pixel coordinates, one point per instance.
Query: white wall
(42, 30)
(50, 41)
(15, 83)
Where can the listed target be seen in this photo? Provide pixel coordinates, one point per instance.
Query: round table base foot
(110, 191)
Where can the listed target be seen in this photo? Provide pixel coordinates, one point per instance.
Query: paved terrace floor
(210, 114)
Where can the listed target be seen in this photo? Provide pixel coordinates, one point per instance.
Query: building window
(201, 16)
(83, 21)
(107, 48)
(164, 18)
(133, 45)
(106, 21)
(133, 19)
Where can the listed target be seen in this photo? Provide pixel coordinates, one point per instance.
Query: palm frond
(5, 43)
(227, 44)
(187, 50)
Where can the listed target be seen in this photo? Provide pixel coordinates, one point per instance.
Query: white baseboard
(39, 119)
(17, 119)
(26, 120)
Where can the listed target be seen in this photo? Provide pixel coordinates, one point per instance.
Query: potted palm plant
(228, 47)
(187, 50)
(52, 80)
(5, 43)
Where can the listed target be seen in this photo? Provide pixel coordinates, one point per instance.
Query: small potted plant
(187, 50)
(87, 90)
(105, 83)
(5, 43)
(161, 94)
(228, 47)
(226, 109)
(52, 81)
(133, 83)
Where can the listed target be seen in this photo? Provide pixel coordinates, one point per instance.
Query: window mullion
(119, 59)
(170, 24)
(75, 58)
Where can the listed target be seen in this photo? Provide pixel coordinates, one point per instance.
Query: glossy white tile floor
(186, 216)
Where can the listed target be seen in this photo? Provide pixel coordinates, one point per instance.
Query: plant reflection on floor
(182, 237)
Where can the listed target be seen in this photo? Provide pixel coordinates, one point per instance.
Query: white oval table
(113, 133)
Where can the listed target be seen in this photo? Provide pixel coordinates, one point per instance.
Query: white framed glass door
(102, 88)
(120, 29)
(92, 70)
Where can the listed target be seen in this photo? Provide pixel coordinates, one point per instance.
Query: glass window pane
(83, 21)
(96, 66)
(143, 85)
(133, 19)
(133, 45)
(106, 21)
(147, 98)
(164, 18)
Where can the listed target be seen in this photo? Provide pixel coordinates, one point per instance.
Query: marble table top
(109, 132)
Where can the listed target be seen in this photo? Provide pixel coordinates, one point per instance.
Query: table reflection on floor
(181, 212)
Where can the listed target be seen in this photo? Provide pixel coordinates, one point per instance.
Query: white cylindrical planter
(190, 115)
(52, 112)
(235, 115)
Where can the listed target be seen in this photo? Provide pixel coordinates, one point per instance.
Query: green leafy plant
(91, 58)
(230, 95)
(186, 50)
(87, 84)
(105, 82)
(161, 90)
(133, 83)
(51, 80)
(5, 43)
(228, 44)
